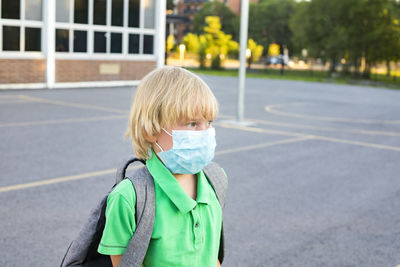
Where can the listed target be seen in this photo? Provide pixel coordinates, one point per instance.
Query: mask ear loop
(166, 132)
(158, 144)
(162, 150)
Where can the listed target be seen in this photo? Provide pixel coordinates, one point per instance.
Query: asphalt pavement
(313, 177)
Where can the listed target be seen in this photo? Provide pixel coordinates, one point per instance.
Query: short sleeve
(120, 220)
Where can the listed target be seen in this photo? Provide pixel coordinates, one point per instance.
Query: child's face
(165, 140)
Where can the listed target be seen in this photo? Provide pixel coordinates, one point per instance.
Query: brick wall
(22, 71)
(19, 71)
(101, 70)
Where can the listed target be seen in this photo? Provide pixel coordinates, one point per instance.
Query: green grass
(377, 80)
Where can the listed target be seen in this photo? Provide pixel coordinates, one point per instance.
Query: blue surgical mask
(191, 150)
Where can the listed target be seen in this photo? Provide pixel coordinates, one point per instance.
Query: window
(149, 14)
(134, 9)
(100, 42)
(106, 28)
(10, 9)
(10, 38)
(80, 41)
(81, 11)
(100, 14)
(21, 23)
(116, 42)
(117, 13)
(62, 10)
(62, 40)
(148, 44)
(33, 10)
(133, 44)
(100, 28)
(32, 39)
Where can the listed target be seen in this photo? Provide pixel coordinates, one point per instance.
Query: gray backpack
(83, 250)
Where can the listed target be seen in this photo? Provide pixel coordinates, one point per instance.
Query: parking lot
(313, 178)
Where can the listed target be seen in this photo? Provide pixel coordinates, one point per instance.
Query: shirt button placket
(196, 228)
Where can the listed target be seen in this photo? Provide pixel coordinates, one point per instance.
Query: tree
(213, 41)
(274, 50)
(170, 43)
(218, 42)
(357, 30)
(191, 42)
(215, 8)
(299, 26)
(170, 4)
(269, 22)
(198, 45)
(256, 51)
(321, 25)
(383, 36)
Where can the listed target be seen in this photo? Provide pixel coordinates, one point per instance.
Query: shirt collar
(163, 177)
(204, 189)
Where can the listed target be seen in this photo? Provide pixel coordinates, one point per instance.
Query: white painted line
(76, 105)
(323, 138)
(302, 126)
(270, 109)
(290, 125)
(357, 143)
(62, 179)
(238, 127)
(218, 153)
(9, 96)
(61, 121)
(263, 145)
(13, 101)
(259, 130)
(331, 129)
(112, 171)
(56, 180)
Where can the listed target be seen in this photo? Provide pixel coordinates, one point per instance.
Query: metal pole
(161, 9)
(49, 33)
(244, 11)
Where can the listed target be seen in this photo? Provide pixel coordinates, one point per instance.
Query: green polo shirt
(186, 232)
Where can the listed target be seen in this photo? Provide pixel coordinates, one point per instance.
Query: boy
(170, 126)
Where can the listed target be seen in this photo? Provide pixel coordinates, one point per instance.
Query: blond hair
(163, 98)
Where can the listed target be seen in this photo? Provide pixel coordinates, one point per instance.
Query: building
(75, 43)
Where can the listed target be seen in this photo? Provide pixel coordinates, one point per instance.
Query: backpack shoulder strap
(143, 185)
(218, 180)
(216, 176)
(121, 171)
